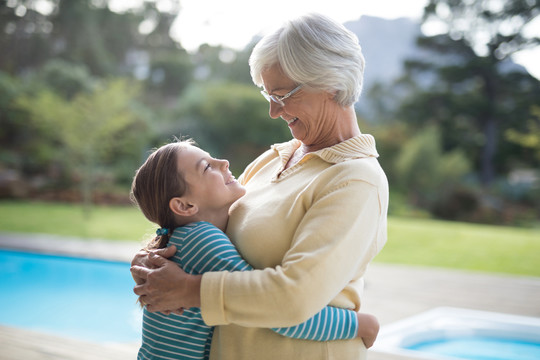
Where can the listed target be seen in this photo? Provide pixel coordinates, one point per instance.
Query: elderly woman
(314, 215)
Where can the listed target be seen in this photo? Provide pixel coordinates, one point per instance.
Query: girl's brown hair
(156, 182)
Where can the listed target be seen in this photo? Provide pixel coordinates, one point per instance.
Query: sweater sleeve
(205, 248)
(332, 245)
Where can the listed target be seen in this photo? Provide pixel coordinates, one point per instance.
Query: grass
(121, 223)
(488, 248)
(411, 241)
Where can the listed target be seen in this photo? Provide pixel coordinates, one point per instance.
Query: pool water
(481, 348)
(79, 298)
(456, 333)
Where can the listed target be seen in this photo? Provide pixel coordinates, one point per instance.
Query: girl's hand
(368, 329)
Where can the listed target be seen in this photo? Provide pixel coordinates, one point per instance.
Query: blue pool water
(481, 348)
(72, 297)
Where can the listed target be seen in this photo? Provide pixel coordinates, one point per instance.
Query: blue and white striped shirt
(202, 247)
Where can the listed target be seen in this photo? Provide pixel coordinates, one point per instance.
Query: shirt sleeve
(330, 323)
(206, 248)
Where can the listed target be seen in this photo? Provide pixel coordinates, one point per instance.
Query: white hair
(315, 51)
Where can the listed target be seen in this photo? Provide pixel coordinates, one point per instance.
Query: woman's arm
(342, 230)
(332, 244)
(350, 247)
(204, 248)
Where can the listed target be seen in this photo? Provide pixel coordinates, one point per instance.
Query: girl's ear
(182, 207)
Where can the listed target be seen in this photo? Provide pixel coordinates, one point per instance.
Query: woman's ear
(331, 95)
(181, 206)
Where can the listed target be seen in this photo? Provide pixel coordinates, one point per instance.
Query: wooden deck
(18, 344)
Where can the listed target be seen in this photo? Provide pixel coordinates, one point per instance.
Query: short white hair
(315, 51)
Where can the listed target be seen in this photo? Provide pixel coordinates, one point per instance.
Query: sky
(234, 23)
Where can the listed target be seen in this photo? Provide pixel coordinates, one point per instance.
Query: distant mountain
(385, 44)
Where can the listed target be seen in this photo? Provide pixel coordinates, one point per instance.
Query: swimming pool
(80, 298)
(454, 333)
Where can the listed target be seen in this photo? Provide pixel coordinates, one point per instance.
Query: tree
(230, 120)
(429, 176)
(59, 53)
(14, 134)
(171, 71)
(475, 93)
(529, 139)
(86, 127)
(24, 36)
(28, 149)
(224, 64)
(82, 31)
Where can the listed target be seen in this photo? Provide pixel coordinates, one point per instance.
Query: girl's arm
(330, 323)
(203, 247)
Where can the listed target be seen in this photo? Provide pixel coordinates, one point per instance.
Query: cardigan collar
(361, 146)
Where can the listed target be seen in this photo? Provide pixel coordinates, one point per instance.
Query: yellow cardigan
(311, 231)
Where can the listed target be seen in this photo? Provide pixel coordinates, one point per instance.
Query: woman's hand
(162, 285)
(142, 259)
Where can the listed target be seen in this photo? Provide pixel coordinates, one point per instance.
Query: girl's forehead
(190, 156)
(193, 151)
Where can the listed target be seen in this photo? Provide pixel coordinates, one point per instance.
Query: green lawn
(103, 222)
(410, 241)
(463, 246)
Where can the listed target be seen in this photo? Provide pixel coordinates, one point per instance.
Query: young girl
(188, 194)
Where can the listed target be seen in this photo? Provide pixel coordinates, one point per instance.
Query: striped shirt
(201, 247)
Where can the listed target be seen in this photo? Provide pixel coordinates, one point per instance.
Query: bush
(430, 177)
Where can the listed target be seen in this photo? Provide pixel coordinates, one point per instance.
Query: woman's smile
(291, 121)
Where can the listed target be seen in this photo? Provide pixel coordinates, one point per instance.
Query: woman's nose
(275, 110)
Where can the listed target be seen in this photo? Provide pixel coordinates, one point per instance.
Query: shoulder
(353, 159)
(193, 232)
(353, 183)
(367, 170)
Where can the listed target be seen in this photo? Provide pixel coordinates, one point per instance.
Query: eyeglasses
(279, 99)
